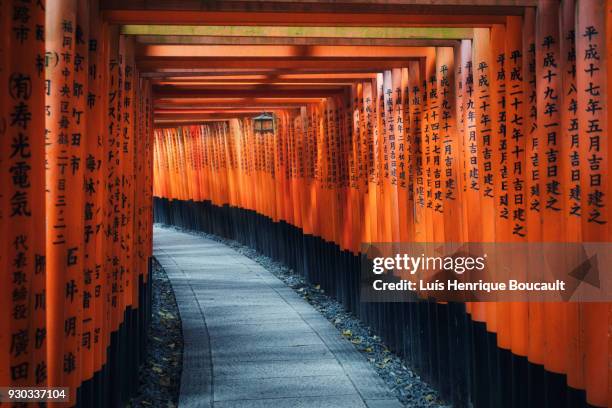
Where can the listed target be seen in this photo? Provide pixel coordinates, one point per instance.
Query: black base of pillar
(117, 380)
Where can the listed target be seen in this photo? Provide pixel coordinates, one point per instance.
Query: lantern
(263, 123)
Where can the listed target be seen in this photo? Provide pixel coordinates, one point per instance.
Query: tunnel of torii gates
(400, 121)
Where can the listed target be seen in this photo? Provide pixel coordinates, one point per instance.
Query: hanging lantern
(263, 123)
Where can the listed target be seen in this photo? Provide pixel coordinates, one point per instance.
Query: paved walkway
(250, 341)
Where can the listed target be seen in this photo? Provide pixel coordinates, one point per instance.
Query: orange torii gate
(76, 203)
(480, 154)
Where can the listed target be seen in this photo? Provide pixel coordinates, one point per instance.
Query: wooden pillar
(415, 84)
(64, 179)
(449, 146)
(570, 182)
(22, 210)
(516, 113)
(594, 148)
(95, 192)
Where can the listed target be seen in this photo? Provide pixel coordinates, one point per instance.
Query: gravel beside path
(160, 376)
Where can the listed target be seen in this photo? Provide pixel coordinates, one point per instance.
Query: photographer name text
(459, 286)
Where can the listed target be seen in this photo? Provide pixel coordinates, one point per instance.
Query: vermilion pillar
(594, 147)
(94, 234)
(22, 212)
(64, 184)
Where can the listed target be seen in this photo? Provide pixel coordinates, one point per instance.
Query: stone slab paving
(250, 341)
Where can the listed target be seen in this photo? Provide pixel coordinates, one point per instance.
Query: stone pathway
(250, 341)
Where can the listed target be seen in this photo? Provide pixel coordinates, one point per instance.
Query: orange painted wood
(549, 91)
(371, 205)
(22, 210)
(532, 154)
(591, 80)
(570, 177)
(450, 156)
(294, 18)
(64, 158)
(80, 93)
(415, 83)
(516, 112)
(482, 143)
(499, 154)
(95, 192)
(5, 326)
